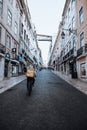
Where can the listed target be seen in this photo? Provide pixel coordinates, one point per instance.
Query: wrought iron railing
(68, 54)
(82, 50)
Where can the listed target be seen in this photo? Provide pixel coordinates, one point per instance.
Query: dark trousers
(30, 81)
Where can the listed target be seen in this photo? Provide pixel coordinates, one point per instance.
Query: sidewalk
(80, 85)
(8, 83)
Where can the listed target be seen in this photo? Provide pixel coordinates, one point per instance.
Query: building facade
(72, 45)
(9, 31)
(82, 39)
(67, 40)
(18, 44)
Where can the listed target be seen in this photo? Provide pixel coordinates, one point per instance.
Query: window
(24, 34)
(68, 13)
(22, 28)
(1, 6)
(8, 41)
(16, 28)
(73, 22)
(74, 45)
(83, 69)
(74, 42)
(70, 45)
(66, 49)
(26, 38)
(81, 15)
(72, 4)
(0, 33)
(15, 45)
(69, 29)
(82, 39)
(17, 10)
(9, 18)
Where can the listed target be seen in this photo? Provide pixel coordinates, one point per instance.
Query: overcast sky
(46, 16)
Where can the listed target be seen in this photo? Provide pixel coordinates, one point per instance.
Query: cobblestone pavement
(80, 85)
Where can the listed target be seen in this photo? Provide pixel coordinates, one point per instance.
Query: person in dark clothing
(25, 69)
(30, 78)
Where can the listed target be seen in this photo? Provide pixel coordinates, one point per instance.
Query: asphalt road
(53, 105)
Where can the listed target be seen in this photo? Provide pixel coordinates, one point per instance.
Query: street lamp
(73, 64)
(70, 31)
(63, 35)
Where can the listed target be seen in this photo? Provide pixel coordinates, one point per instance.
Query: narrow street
(53, 105)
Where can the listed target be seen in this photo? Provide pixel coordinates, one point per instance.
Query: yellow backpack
(30, 73)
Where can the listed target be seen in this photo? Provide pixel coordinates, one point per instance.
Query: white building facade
(18, 44)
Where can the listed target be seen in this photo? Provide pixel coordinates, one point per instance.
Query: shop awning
(14, 61)
(2, 55)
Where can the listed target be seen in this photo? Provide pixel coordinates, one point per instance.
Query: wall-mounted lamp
(69, 30)
(63, 35)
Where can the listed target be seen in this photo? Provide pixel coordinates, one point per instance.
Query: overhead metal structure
(41, 37)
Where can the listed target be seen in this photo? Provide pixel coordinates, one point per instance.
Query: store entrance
(6, 69)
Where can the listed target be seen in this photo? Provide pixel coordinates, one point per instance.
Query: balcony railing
(68, 54)
(82, 50)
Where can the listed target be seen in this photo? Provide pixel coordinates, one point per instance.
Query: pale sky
(46, 16)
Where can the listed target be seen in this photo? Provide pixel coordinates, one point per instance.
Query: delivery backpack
(30, 73)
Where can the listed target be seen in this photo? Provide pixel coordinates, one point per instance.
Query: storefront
(15, 67)
(73, 68)
(7, 65)
(21, 65)
(82, 68)
(2, 59)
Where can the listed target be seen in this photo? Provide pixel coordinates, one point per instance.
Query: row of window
(83, 71)
(9, 22)
(81, 16)
(25, 35)
(9, 17)
(8, 42)
(1, 6)
(70, 45)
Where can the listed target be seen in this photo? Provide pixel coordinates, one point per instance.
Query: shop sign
(7, 56)
(21, 59)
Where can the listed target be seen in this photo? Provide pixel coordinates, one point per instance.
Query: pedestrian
(25, 69)
(30, 78)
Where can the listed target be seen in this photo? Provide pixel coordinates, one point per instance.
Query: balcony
(23, 51)
(68, 55)
(82, 51)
